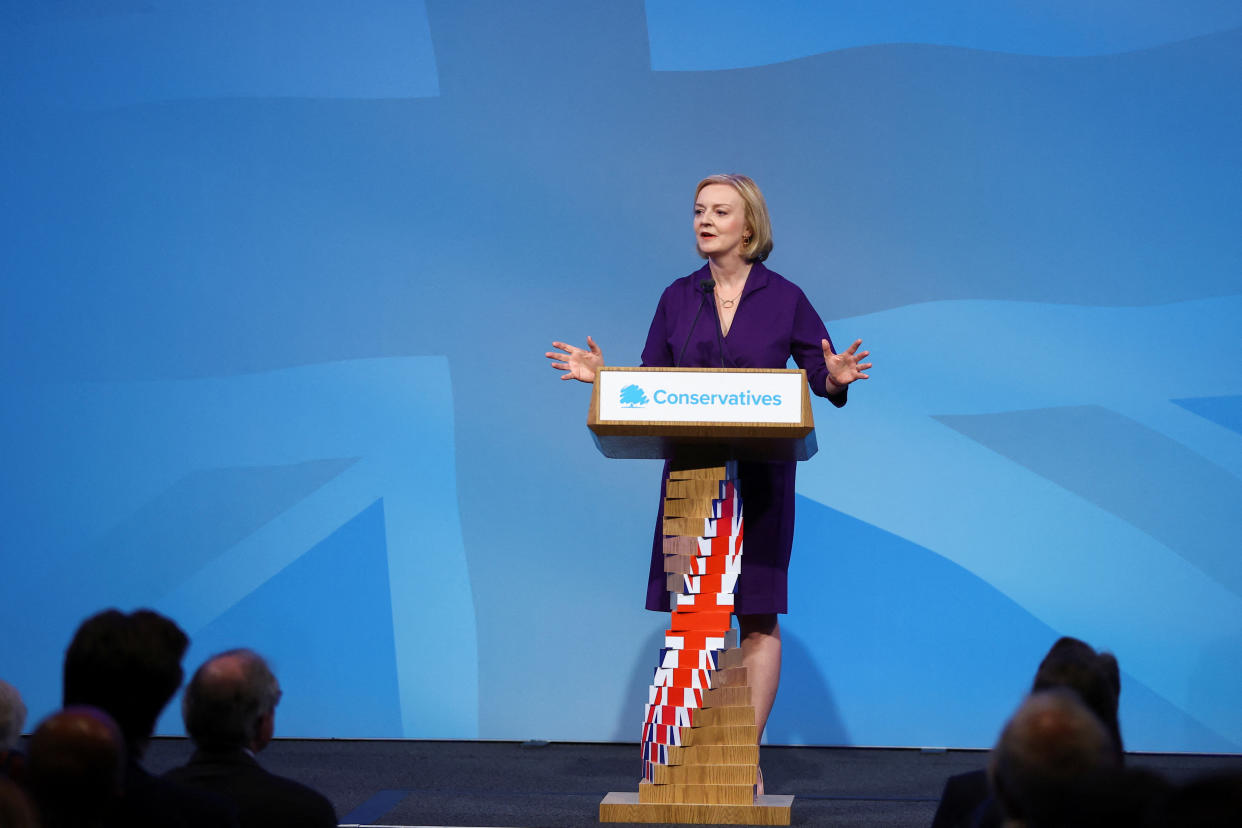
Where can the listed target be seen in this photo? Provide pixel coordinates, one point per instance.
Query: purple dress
(773, 322)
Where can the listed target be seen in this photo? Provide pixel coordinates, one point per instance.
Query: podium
(700, 742)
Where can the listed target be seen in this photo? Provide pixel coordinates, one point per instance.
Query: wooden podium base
(623, 806)
(700, 745)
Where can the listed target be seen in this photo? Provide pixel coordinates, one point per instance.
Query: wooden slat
(699, 473)
(692, 507)
(692, 488)
(623, 806)
(705, 774)
(729, 677)
(743, 794)
(727, 697)
(714, 755)
(720, 735)
(681, 546)
(678, 564)
(723, 716)
(685, 527)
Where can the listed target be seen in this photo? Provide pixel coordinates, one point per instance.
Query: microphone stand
(703, 288)
(716, 316)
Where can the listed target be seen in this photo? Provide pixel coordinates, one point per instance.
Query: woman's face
(719, 220)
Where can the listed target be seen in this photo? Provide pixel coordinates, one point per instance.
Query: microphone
(705, 286)
(710, 286)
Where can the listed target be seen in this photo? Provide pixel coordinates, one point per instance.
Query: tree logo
(633, 397)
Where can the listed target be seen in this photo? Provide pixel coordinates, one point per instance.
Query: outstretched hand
(845, 367)
(575, 362)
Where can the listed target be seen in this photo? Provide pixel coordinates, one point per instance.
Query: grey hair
(224, 711)
(12, 715)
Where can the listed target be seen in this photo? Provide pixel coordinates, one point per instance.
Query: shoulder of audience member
(318, 810)
(196, 807)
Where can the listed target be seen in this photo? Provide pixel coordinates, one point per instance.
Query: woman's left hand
(845, 367)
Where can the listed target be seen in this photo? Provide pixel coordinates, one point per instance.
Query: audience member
(16, 810)
(1207, 802)
(967, 800)
(129, 666)
(1095, 677)
(77, 768)
(12, 720)
(229, 709)
(1050, 756)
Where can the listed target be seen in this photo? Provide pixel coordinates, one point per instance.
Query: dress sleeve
(656, 353)
(808, 331)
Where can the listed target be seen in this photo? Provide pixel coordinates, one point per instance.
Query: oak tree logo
(633, 397)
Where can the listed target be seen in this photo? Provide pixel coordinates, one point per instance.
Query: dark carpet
(422, 783)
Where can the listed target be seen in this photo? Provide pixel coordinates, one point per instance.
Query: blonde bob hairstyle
(757, 221)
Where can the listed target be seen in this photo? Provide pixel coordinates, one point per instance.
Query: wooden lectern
(700, 745)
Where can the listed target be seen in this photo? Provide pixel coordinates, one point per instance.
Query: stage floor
(424, 783)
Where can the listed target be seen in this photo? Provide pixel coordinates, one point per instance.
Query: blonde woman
(757, 319)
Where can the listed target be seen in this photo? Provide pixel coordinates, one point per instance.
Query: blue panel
(99, 55)
(728, 34)
(1186, 501)
(1224, 411)
(890, 644)
(112, 477)
(325, 624)
(316, 242)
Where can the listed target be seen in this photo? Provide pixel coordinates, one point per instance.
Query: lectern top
(741, 413)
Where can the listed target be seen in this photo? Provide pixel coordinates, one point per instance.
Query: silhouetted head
(231, 702)
(76, 766)
(1094, 676)
(16, 809)
(129, 666)
(1050, 755)
(1209, 800)
(12, 716)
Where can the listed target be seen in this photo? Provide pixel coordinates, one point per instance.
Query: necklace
(728, 303)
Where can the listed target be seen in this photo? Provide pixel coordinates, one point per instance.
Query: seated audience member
(1095, 677)
(16, 810)
(967, 800)
(76, 768)
(12, 720)
(1208, 801)
(129, 666)
(229, 709)
(1052, 757)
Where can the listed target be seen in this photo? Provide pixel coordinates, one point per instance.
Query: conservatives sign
(700, 396)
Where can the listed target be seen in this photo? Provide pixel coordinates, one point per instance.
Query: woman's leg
(761, 654)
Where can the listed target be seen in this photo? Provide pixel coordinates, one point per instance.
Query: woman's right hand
(575, 362)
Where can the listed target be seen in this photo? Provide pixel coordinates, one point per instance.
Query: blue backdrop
(278, 277)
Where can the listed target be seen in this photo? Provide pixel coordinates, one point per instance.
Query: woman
(762, 320)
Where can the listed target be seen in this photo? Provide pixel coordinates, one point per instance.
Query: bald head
(1051, 747)
(231, 701)
(76, 761)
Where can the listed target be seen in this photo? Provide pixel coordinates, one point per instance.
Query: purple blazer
(773, 322)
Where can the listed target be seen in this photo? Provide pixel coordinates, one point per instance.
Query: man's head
(77, 765)
(1049, 755)
(1095, 677)
(231, 702)
(129, 666)
(12, 716)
